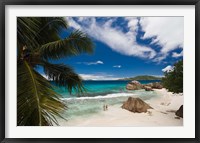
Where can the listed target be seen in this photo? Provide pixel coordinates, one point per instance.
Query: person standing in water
(105, 107)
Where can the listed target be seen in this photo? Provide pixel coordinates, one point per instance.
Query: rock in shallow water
(136, 105)
(134, 85)
(148, 88)
(156, 85)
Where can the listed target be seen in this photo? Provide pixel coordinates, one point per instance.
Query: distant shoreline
(126, 80)
(139, 77)
(142, 77)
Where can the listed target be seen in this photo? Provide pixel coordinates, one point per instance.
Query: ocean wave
(113, 95)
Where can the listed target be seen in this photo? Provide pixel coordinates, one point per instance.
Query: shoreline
(162, 114)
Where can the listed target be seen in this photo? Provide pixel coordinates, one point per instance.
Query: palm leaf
(75, 44)
(50, 29)
(27, 28)
(37, 103)
(35, 31)
(64, 75)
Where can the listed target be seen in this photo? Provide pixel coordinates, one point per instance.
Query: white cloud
(114, 37)
(72, 23)
(117, 66)
(176, 55)
(167, 32)
(168, 68)
(45, 76)
(97, 77)
(91, 63)
(94, 63)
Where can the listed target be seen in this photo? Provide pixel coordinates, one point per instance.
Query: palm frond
(64, 75)
(53, 23)
(37, 103)
(27, 28)
(50, 29)
(35, 31)
(75, 44)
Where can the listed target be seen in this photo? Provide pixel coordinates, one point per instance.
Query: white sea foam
(113, 95)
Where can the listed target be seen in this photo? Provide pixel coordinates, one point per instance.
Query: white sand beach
(162, 114)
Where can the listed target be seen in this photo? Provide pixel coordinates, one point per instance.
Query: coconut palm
(38, 42)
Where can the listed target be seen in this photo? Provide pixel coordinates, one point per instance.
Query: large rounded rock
(134, 85)
(136, 105)
(155, 85)
(179, 112)
(148, 88)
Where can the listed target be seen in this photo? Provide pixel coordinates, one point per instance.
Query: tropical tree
(173, 79)
(38, 42)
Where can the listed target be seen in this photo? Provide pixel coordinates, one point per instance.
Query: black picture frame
(4, 3)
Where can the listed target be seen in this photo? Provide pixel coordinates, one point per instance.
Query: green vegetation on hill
(143, 77)
(173, 80)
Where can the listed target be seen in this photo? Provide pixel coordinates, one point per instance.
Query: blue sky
(127, 46)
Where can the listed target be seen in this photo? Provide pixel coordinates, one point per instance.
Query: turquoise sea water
(99, 93)
(100, 88)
